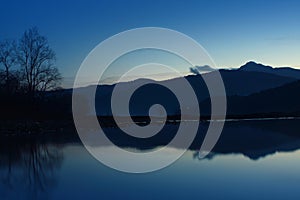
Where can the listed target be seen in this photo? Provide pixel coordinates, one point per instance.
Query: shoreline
(21, 127)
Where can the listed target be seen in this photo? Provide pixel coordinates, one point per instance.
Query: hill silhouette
(281, 71)
(283, 100)
(252, 89)
(239, 84)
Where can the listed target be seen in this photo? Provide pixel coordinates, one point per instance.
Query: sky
(232, 32)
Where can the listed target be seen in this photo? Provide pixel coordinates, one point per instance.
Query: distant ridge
(281, 100)
(242, 86)
(281, 71)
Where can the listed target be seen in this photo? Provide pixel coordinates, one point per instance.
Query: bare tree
(36, 60)
(7, 59)
(49, 79)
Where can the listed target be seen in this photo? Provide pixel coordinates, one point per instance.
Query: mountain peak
(253, 66)
(251, 63)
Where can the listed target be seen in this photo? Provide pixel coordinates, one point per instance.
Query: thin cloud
(201, 69)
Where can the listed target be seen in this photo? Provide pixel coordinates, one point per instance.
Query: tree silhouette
(36, 60)
(7, 60)
(33, 62)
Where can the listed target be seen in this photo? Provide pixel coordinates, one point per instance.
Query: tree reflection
(28, 168)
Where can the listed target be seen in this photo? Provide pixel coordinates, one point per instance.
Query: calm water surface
(253, 160)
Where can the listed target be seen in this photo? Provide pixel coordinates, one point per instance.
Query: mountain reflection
(28, 167)
(260, 138)
(252, 138)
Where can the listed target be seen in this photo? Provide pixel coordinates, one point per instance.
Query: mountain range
(252, 90)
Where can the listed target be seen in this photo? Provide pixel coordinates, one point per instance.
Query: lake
(254, 159)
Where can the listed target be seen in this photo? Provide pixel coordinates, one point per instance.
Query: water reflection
(39, 167)
(28, 168)
(254, 139)
(257, 139)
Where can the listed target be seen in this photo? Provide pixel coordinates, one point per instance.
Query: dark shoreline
(19, 127)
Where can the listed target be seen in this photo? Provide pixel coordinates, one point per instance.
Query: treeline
(27, 74)
(27, 65)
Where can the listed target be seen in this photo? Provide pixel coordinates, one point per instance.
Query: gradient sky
(233, 32)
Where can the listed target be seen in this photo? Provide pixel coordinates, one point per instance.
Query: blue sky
(233, 32)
